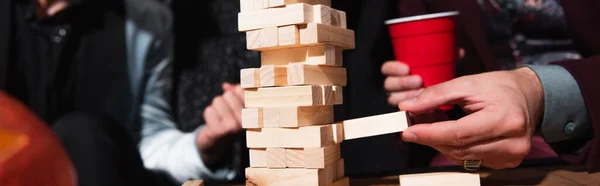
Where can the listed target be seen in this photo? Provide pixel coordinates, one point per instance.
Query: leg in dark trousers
(102, 151)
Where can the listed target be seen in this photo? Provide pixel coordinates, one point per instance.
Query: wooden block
(314, 33)
(294, 158)
(247, 5)
(252, 118)
(338, 18)
(376, 125)
(262, 38)
(261, 4)
(293, 14)
(319, 158)
(338, 133)
(442, 178)
(314, 55)
(338, 95)
(325, 55)
(303, 74)
(273, 76)
(311, 136)
(342, 182)
(340, 169)
(323, 14)
(276, 158)
(310, 95)
(250, 78)
(328, 95)
(289, 177)
(280, 3)
(292, 117)
(289, 35)
(194, 183)
(258, 157)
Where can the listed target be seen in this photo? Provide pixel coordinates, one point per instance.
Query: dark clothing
(582, 26)
(75, 62)
(102, 151)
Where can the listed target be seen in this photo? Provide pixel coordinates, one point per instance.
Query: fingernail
(409, 137)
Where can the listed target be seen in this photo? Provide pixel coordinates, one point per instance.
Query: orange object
(30, 153)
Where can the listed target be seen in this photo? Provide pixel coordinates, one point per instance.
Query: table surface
(571, 175)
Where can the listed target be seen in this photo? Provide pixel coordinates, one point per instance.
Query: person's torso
(527, 31)
(77, 64)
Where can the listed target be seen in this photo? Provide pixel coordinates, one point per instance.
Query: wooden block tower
(288, 115)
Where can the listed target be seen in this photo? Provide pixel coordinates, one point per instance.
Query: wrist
(532, 89)
(210, 148)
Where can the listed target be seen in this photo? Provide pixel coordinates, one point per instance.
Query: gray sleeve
(565, 114)
(163, 147)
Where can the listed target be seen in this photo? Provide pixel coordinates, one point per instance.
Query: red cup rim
(421, 17)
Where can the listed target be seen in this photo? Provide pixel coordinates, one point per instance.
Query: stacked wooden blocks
(289, 100)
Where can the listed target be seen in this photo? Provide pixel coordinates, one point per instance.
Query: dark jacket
(583, 27)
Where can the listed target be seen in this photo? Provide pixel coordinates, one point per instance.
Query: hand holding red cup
(426, 45)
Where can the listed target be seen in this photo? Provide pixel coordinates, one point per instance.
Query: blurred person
(505, 34)
(100, 73)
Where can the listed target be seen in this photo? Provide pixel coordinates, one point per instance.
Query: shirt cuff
(225, 172)
(565, 114)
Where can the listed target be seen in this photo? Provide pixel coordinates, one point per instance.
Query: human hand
(223, 122)
(49, 8)
(504, 108)
(399, 83)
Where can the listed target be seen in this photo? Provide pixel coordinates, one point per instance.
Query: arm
(163, 146)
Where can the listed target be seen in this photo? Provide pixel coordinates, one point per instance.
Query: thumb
(446, 93)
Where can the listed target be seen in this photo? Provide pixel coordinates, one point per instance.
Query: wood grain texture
(338, 95)
(262, 38)
(324, 55)
(311, 136)
(376, 125)
(289, 177)
(274, 17)
(294, 158)
(280, 3)
(273, 76)
(303, 74)
(292, 117)
(252, 118)
(276, 158)
(323, 14)
(315, 33)
(338, 18)
(319, 158)
(340, 169)
(338, 133)
(310, 95)
(250, 78)
(289, 35)
(444, 178)
(258, 157)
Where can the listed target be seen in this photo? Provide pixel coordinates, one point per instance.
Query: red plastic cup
(426, 43)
